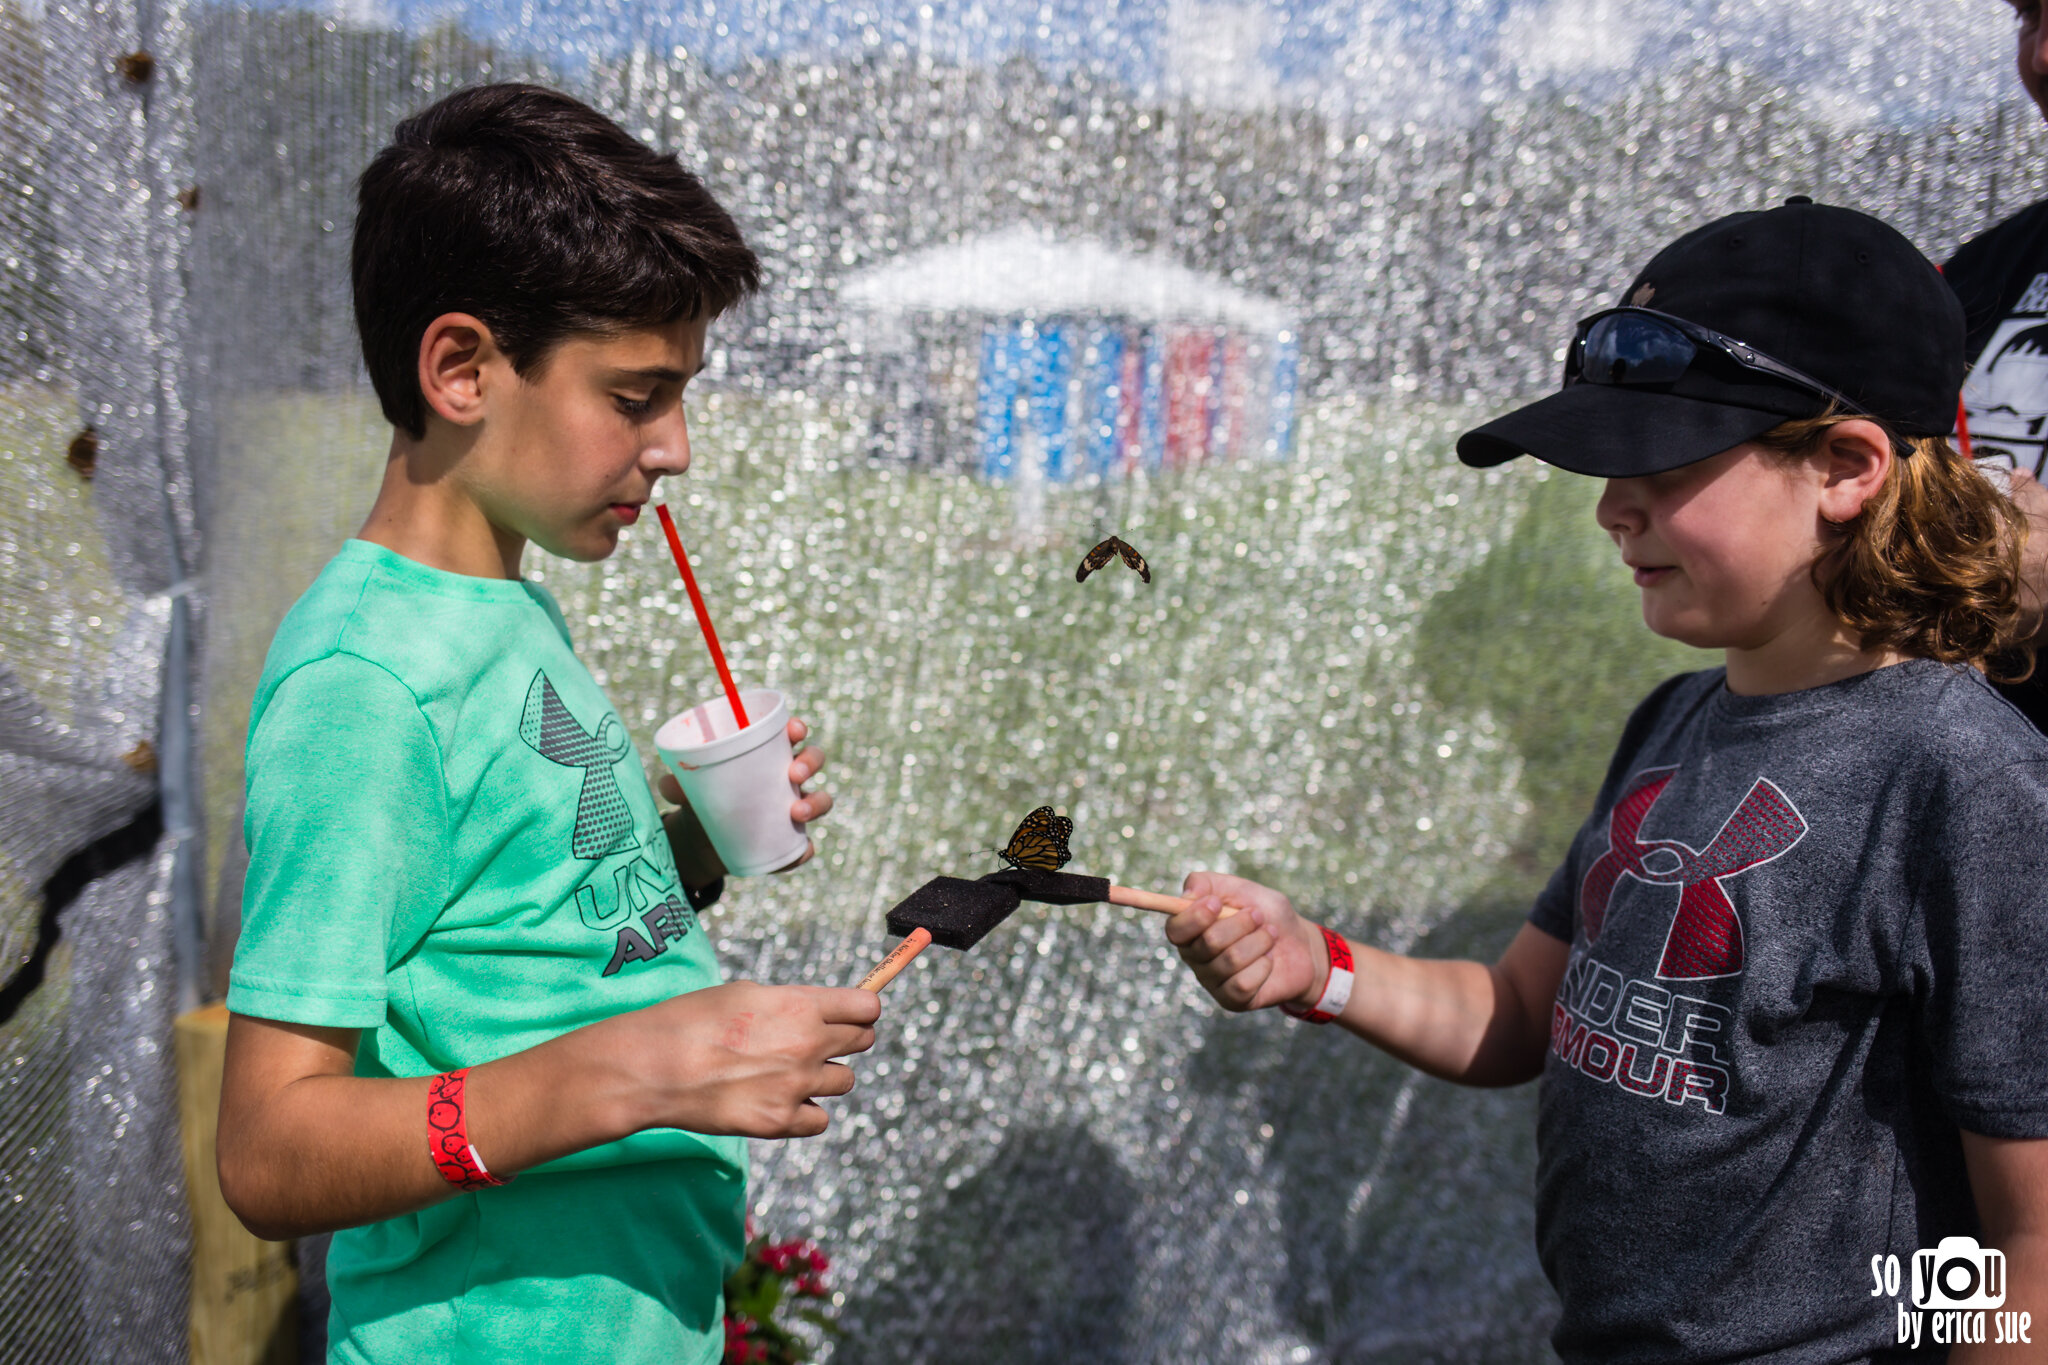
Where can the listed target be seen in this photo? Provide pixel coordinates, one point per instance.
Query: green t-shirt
(452, 846)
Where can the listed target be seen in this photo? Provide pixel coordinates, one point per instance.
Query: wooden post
(244, 1289)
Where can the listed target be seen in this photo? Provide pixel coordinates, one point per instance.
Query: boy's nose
(669, 451)
(668, 457)
(1618, 511)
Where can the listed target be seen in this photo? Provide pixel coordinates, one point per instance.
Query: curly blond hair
(1931, 566)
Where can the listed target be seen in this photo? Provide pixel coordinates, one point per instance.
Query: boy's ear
(454, 349)
(1856, 457)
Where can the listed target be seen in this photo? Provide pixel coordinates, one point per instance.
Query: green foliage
(1546, 636)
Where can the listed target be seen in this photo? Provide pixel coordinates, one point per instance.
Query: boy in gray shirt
(1788, 994)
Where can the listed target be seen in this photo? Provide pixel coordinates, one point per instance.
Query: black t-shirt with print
(1809, 942)
(2001, 276)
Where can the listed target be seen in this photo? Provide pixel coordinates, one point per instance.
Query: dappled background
(1294, 250)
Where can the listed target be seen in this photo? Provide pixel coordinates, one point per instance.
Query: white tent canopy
(1022, 271)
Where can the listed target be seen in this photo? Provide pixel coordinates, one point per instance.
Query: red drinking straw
(675, 545)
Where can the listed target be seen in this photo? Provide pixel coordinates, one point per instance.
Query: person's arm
(305, 1146)
(1461, 1021)
(2009, 1177)
(1981, 1015)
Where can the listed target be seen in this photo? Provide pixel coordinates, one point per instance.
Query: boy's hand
(697, 862)
(1248, 946)
(743, 1058)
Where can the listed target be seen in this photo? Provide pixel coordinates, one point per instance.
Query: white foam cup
(737, 781)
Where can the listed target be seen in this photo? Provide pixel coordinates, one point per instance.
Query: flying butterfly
(83, 454)
(1040, 842)
(1100, 556)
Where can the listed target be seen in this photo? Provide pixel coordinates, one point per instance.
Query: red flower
(779, 1256)
(799, 1269)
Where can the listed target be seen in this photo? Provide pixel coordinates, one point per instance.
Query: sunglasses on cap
(1628, 347)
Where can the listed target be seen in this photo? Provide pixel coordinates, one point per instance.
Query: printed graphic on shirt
(668, 921)
(1705, 936)
(602, 819)
(1643, 1037)
(1637, 1035)
(644, 911)
(2006, 394)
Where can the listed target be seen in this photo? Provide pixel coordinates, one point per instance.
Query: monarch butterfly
(1040, 842)
(1099, 556)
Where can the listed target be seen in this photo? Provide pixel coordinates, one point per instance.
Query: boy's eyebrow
(664, 374)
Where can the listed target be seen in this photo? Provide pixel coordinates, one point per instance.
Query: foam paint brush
(1070, 888)
(951, 911)
(957, 913)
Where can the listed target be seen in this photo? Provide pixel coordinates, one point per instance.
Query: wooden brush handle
(1147, 900)
(885, 971)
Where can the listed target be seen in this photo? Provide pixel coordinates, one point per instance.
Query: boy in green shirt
(464, 921)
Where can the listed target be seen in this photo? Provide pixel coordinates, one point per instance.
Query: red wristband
(1336, 991)
(448, 1135)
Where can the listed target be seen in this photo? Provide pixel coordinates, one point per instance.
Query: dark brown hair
(1931, 566)
(541, 217)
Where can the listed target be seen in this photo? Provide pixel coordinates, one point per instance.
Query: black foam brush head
(1051, 888)
(956, 912)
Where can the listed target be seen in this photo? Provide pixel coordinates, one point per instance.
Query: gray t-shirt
(1809, 942)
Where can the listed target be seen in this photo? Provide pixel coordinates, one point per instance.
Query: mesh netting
(96, 531)
(1364, 674)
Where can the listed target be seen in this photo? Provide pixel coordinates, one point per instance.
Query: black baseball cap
(1832, 293)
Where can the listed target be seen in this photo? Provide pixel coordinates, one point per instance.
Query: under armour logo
(603, 822)
(1705, 938)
